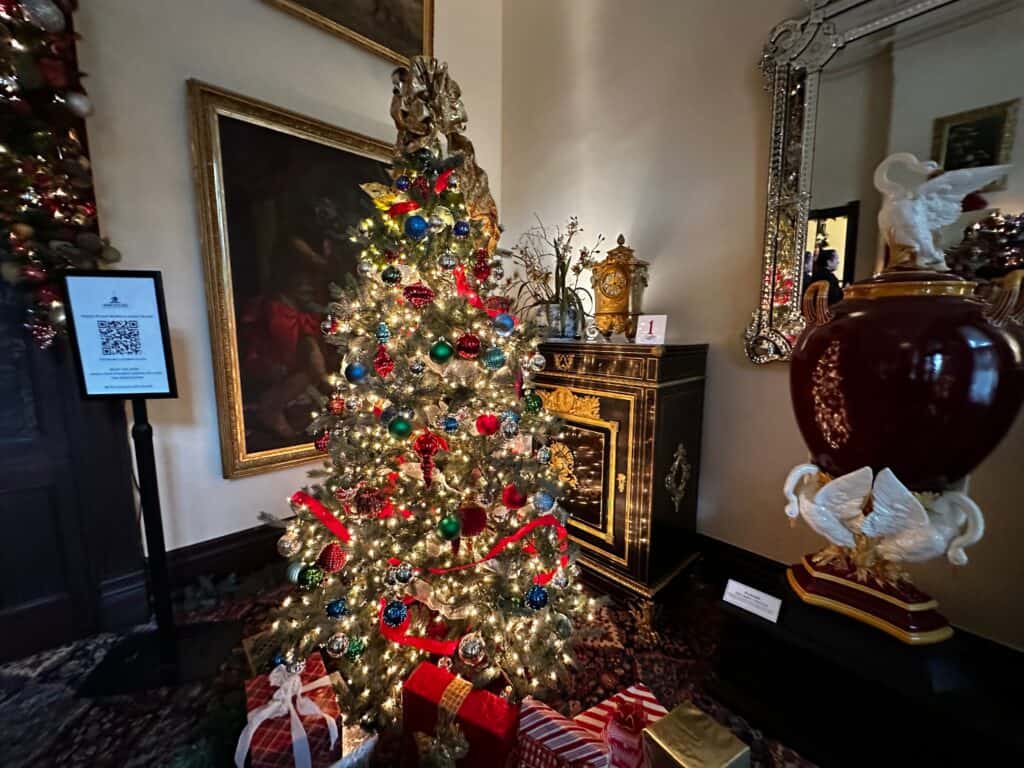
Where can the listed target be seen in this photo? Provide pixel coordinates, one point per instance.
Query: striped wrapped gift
(596, 718)
(549, 740)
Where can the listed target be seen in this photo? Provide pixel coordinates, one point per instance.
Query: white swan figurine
(913, 216)
(900, 526)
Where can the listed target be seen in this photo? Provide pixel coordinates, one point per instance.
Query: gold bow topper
(426, 107)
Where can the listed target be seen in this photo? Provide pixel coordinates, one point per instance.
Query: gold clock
(614, 281)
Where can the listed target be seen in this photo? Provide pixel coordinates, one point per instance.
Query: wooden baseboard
(240, 553)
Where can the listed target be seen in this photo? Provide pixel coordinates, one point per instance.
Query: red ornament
(421, 185)
(382, 362)
(497, 305)
(468, 346)
(473, 517)
(336, 405)
(322, 441)
(46, 294)
(512, 498)
(370, 502)
(54, 72)
(332, 557)
(30, 273)
(487, 424)
(482, 268)
(426, 445)
(391, 255)
(418, 294)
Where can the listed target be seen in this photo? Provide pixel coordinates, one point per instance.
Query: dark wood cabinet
(629, 454)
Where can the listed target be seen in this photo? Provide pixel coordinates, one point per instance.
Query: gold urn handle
(678, 476)
(1008, 302)
(815, 303)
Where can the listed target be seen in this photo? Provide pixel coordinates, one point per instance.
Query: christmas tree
(433, 531)
(47, 208)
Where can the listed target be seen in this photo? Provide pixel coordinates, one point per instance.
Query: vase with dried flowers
(547, 268)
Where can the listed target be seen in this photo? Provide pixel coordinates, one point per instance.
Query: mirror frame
(791, 63)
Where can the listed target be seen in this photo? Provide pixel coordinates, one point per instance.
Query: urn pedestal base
(905, 613)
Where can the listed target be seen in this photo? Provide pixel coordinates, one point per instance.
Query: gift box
(487, 721)
(282, 703)
(689, 738)
(548, 739)
(619, 721)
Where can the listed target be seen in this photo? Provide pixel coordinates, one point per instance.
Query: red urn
(909, 371)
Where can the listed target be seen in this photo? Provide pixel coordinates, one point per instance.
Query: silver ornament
(44, 14)
(353, 403)
(544, 455)
(509, 429)
(537, 363)
(472, 650)
(404, 573)
(436, 223)
(364, 268)
(296, 667)
(560, 580)
(416, 368)
(288, 545)
(78, 103)
(497, 272)
(447, 261)
(445, 663)
(336, 644)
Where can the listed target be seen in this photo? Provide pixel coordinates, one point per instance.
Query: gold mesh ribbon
(454, 696)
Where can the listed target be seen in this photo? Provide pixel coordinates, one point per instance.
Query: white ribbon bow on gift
(289, 686)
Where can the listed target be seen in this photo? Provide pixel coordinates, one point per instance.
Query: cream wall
(138, 56)
(648, 118)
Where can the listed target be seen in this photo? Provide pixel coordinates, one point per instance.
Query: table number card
(650, 329)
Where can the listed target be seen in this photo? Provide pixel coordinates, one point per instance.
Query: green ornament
(400, 427)
(449, 527)
(356, 646)
(310, 577)
(441, 352)
(532, 402)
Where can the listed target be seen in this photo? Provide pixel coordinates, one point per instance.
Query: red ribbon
(400, 634)
(406, 206)
(323, 514)
(541, 578)
(442, 181)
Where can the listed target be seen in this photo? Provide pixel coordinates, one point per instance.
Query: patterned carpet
(44, 723)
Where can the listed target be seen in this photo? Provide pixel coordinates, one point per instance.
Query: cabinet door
(594, 459)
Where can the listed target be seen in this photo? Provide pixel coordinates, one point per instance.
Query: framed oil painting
(276, 192)
(975, 138)
(395, 29)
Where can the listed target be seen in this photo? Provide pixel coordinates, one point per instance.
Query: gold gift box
(688, 738)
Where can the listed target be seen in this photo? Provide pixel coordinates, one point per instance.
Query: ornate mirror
(852, 82)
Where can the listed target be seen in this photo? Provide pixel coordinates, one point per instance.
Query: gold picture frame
(976, 137)
(298, 9)
(208, 106)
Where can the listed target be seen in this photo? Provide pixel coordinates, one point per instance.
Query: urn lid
(896, 281)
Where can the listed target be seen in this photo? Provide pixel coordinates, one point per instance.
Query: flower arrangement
(547, 269)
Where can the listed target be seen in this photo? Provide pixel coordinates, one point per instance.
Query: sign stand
(118, 324)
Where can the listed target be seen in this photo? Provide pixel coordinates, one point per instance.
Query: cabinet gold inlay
(622, 482)
(564, 465)
(564, 401)
(563, 362)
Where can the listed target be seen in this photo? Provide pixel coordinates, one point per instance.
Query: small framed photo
(650, 329)
(976, 138)
(118, 327)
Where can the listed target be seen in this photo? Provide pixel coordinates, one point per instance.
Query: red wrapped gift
(292, 719)
(619, 722)
(487, 721)
(548, 739)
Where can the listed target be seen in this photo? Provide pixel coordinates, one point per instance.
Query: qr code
(119, 337)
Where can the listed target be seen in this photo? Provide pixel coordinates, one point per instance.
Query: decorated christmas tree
(434, 529)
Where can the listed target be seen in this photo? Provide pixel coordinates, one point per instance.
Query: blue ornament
(511, 415)
(544, 455)
(383, 333)
(416, 227)
(396, 612)
(543, 501)
(337, 608)
(403, 183)
(503, 325)
(355, 372)
(278, 660)
(293, 571)
(450, 424)
(493, 358)
(536, 597)
(460, 229)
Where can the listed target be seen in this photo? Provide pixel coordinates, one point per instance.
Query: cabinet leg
(643, 614)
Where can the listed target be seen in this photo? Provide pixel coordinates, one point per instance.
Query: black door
(70, 554)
